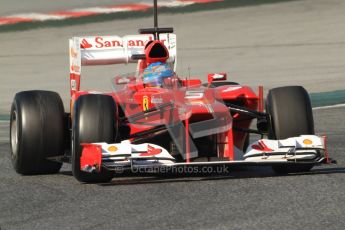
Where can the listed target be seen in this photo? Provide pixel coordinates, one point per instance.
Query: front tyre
(291, 115)
(93, 121)
(36, 132)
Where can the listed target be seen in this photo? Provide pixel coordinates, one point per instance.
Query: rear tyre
(291, 115)
(36, 132)
(93, 121)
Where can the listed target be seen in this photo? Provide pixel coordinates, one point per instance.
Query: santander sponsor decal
(85, 44)
(151, 151)
(262, 147)
(100, 42)
(103, 42)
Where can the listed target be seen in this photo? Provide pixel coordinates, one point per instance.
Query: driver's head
(155, 74)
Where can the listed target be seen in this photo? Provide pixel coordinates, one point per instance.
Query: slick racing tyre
(36, 132)
(291, 115)
(93, 121)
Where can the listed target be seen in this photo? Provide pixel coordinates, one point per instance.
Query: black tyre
(246, 143)
(291, 115)
(36, 132)
(94, 120)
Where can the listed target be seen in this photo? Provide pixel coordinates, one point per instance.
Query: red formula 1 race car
(156, 119)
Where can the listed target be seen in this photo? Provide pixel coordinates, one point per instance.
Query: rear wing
(106, 50)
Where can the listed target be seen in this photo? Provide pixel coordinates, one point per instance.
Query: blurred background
(257, 42)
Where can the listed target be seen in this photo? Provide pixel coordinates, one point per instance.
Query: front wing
(124, 156)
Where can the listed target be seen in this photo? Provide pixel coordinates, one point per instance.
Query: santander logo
(262, 147)
(151, 151)
(113, 42)
(85, 44)
(101, 42)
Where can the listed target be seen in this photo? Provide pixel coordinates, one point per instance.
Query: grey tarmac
(247, 198)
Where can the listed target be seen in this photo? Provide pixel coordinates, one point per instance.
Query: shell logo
(307, 142)
(112, 148)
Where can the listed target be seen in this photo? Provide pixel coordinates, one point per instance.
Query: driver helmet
(155, 74)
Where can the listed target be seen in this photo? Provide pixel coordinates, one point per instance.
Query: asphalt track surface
(248, 198)
(297, 42)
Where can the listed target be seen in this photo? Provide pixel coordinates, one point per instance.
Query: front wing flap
(304, 147)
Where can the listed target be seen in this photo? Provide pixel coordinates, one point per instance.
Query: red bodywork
(189, 97)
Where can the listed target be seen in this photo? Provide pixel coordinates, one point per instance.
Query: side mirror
(216, 77)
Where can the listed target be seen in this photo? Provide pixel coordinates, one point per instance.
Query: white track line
(82, 12)
(39, 17)
(329, 106)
